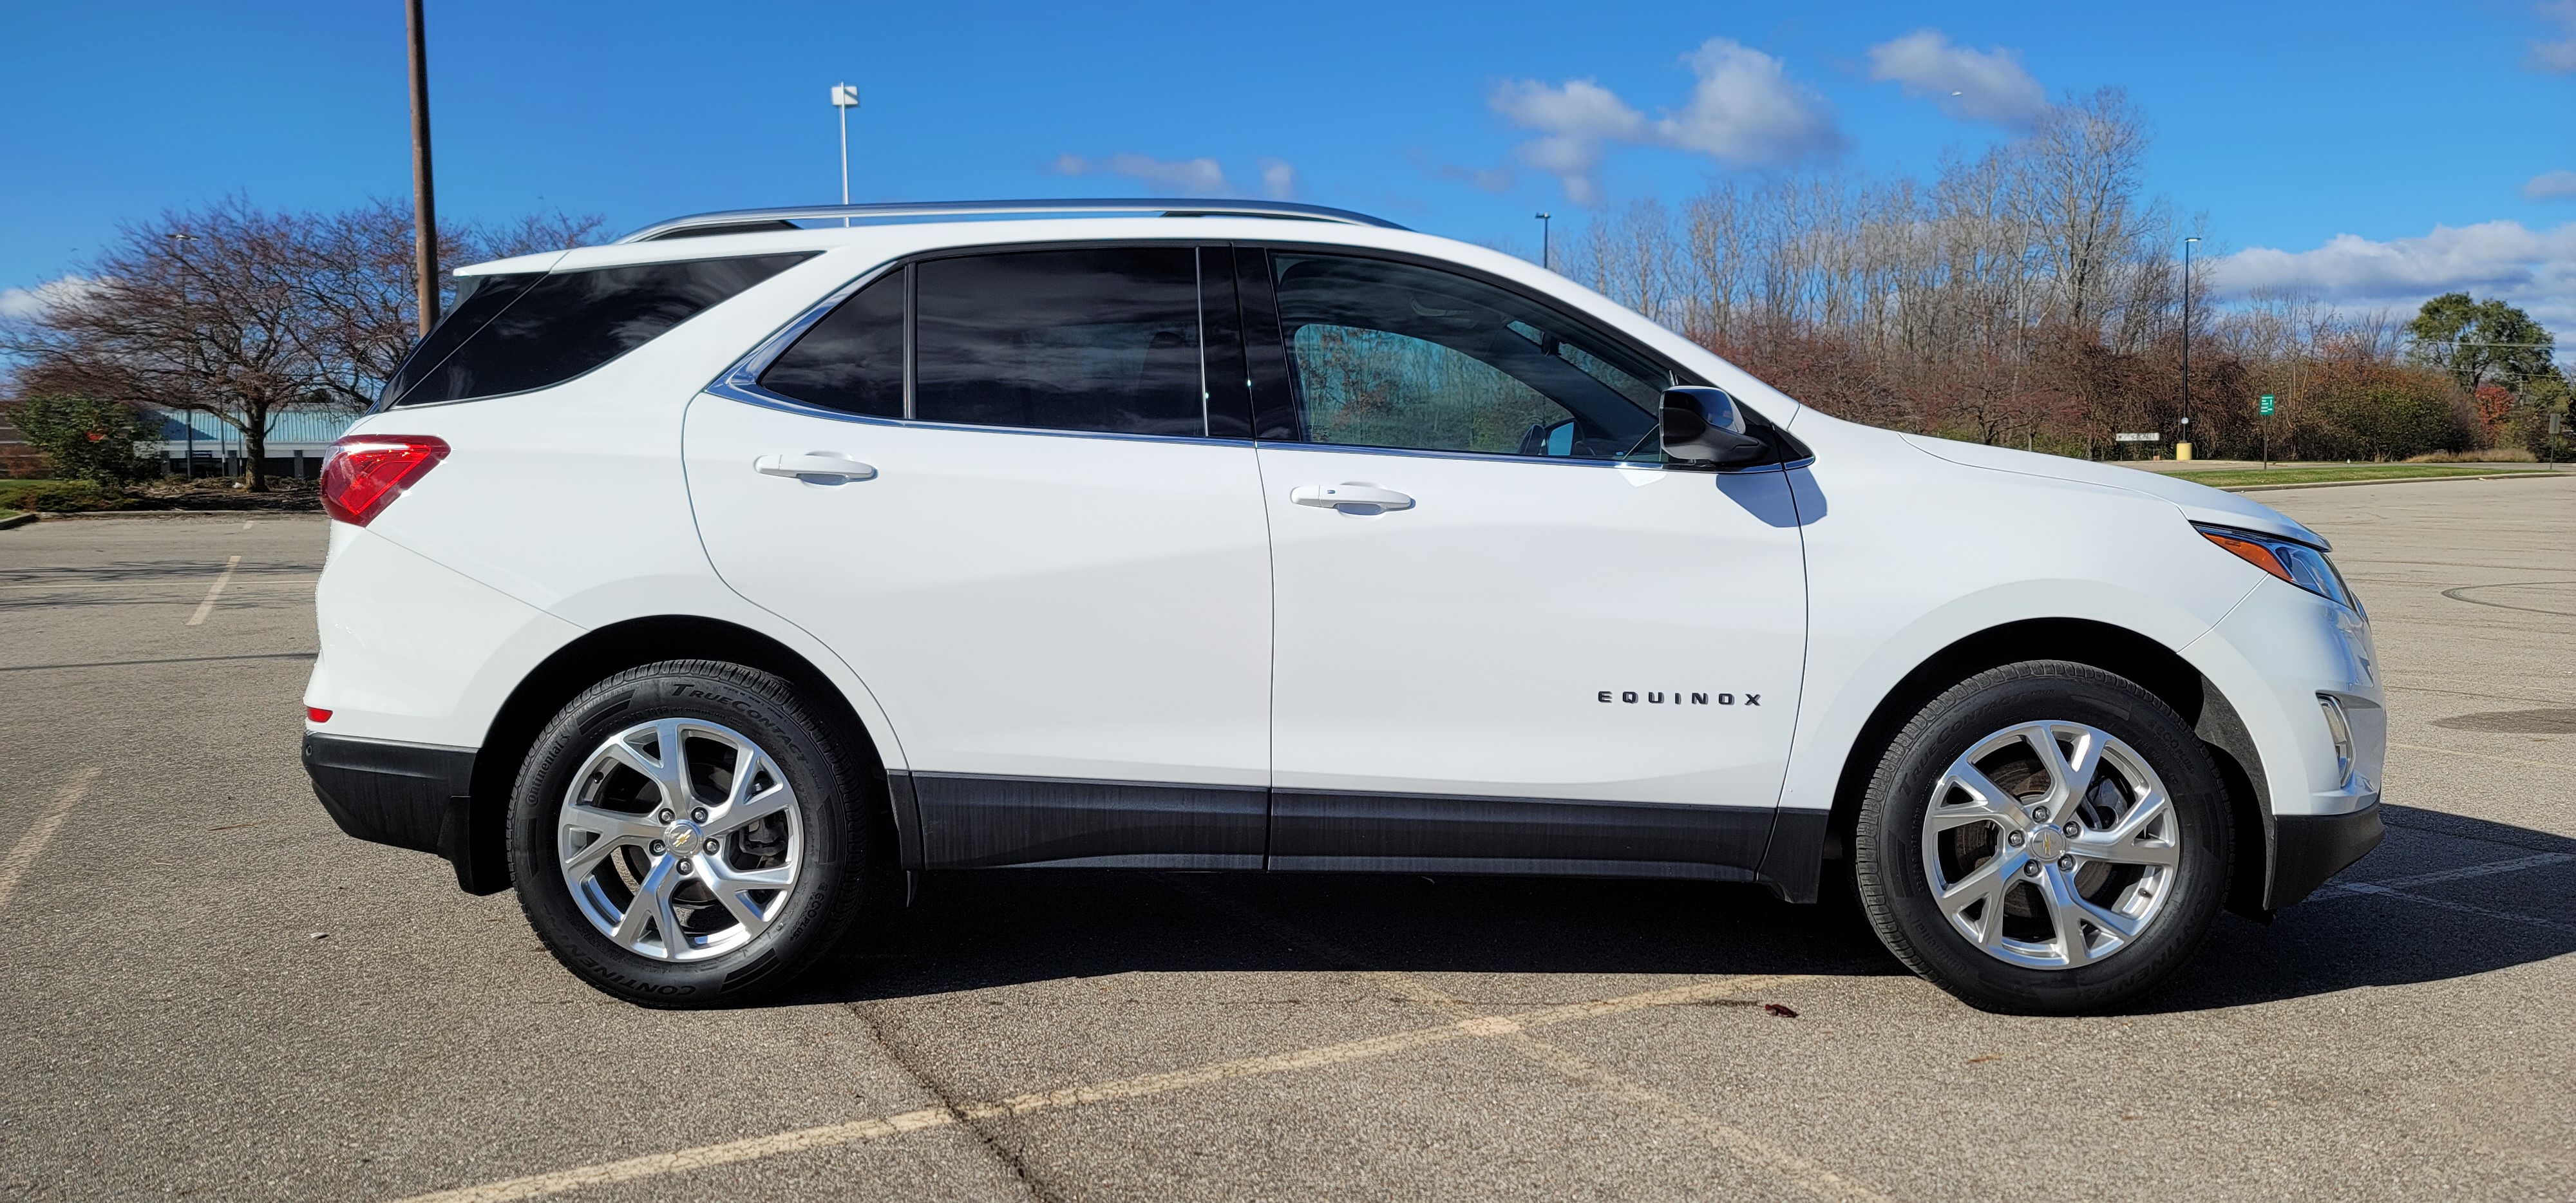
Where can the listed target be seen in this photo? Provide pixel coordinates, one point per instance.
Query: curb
(178, 515)
(2402, 480)
(16, 520)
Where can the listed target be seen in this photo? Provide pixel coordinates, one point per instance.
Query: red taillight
(365, 472)
(317, 714)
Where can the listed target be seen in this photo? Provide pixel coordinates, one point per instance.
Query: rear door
(1510, 638)
(987, 482)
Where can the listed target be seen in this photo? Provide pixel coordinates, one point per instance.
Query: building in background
(297, 441)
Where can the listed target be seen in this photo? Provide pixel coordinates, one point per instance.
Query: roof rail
(744, 221)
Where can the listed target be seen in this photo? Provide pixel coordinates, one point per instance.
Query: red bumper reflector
(317, 714)
(365, 472)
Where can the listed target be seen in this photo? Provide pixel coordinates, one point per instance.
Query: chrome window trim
(741, 382)
(1512, 457)
(730, 389)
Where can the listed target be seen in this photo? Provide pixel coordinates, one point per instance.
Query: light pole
(183, 238)
(1542, 239)
(2182, 448)
(424, 212)
(845, 97)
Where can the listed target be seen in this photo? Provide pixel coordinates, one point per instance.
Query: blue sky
(2372, 152)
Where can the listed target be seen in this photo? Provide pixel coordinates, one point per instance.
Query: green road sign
(2267, 405)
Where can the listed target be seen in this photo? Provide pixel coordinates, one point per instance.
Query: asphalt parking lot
(211, 992)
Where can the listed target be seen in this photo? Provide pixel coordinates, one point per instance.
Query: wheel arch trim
(481, 859)
(1804, 840)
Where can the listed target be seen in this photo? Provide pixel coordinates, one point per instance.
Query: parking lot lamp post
(424, 212)
(845, 98)
(2182, 449)
(1542, 239)
(183, 238)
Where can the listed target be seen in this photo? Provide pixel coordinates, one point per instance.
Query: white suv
(706, 586)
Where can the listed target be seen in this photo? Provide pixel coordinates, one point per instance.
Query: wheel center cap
(2046, 843)
(683, 837)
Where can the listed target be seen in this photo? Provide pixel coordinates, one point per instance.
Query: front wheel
(2044, 838)
(688, 834)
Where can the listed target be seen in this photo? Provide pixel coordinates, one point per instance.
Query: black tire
(1888, 847)
(839, 853)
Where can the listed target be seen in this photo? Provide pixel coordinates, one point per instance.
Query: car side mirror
(1704, 427)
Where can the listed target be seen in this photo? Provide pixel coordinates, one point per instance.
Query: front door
(1510, 638)
(1056, 586)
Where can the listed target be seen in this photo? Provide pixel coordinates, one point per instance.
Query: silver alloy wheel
(679, 839)
(2051, 845)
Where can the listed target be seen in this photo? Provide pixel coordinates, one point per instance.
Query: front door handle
(1351, 498)
(814, 464)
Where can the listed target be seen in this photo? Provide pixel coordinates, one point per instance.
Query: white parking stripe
(214, 591)
(2529, 764)
(2490, 869)
(41, 832)
(2464, 908)
(1512, 1033)
(880, 1127)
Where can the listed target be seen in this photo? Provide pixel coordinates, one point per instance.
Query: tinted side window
(567, 323)
(1104, 340)
(1388, 354)
(479, 299)
(852, 360)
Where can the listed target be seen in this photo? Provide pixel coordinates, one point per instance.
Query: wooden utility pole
(424, 209)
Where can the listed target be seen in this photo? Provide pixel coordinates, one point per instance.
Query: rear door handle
(1351, 498)
(813, 464)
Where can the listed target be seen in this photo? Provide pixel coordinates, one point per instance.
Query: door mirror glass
(1704, 426)
(1555, 440)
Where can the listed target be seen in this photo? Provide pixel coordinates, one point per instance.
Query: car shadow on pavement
(2477, 921)
(994, 928)
(971, 931)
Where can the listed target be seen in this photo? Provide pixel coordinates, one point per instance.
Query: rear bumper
(2308, 849)
(407, 795)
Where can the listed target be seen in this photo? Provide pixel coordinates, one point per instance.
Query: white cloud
(2551, 185)
(2535, 269)
(22, 303)
(1577, 120)
(1987, 85)
(1483, 179)
(1278, 179)
(1744, 110)
(2559, 57)
(1182, 177)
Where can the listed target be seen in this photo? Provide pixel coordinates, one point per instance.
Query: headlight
(2296, 563)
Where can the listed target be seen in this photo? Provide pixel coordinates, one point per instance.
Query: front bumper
(407, 795)
(2308, 849)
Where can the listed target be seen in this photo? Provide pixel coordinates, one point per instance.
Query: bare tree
(243, 313)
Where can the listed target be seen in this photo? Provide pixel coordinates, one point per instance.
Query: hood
(2199, 503)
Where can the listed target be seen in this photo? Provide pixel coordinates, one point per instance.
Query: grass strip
(2226, 478)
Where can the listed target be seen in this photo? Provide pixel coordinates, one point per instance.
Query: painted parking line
(881, 1127)
(2462, 907)
(41, 832)
(2490, 869)
(214, 591)
(2529, 764)
(1511, 1031)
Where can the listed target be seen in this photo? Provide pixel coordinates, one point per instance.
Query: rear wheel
(688, 833)
(2044, 838)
